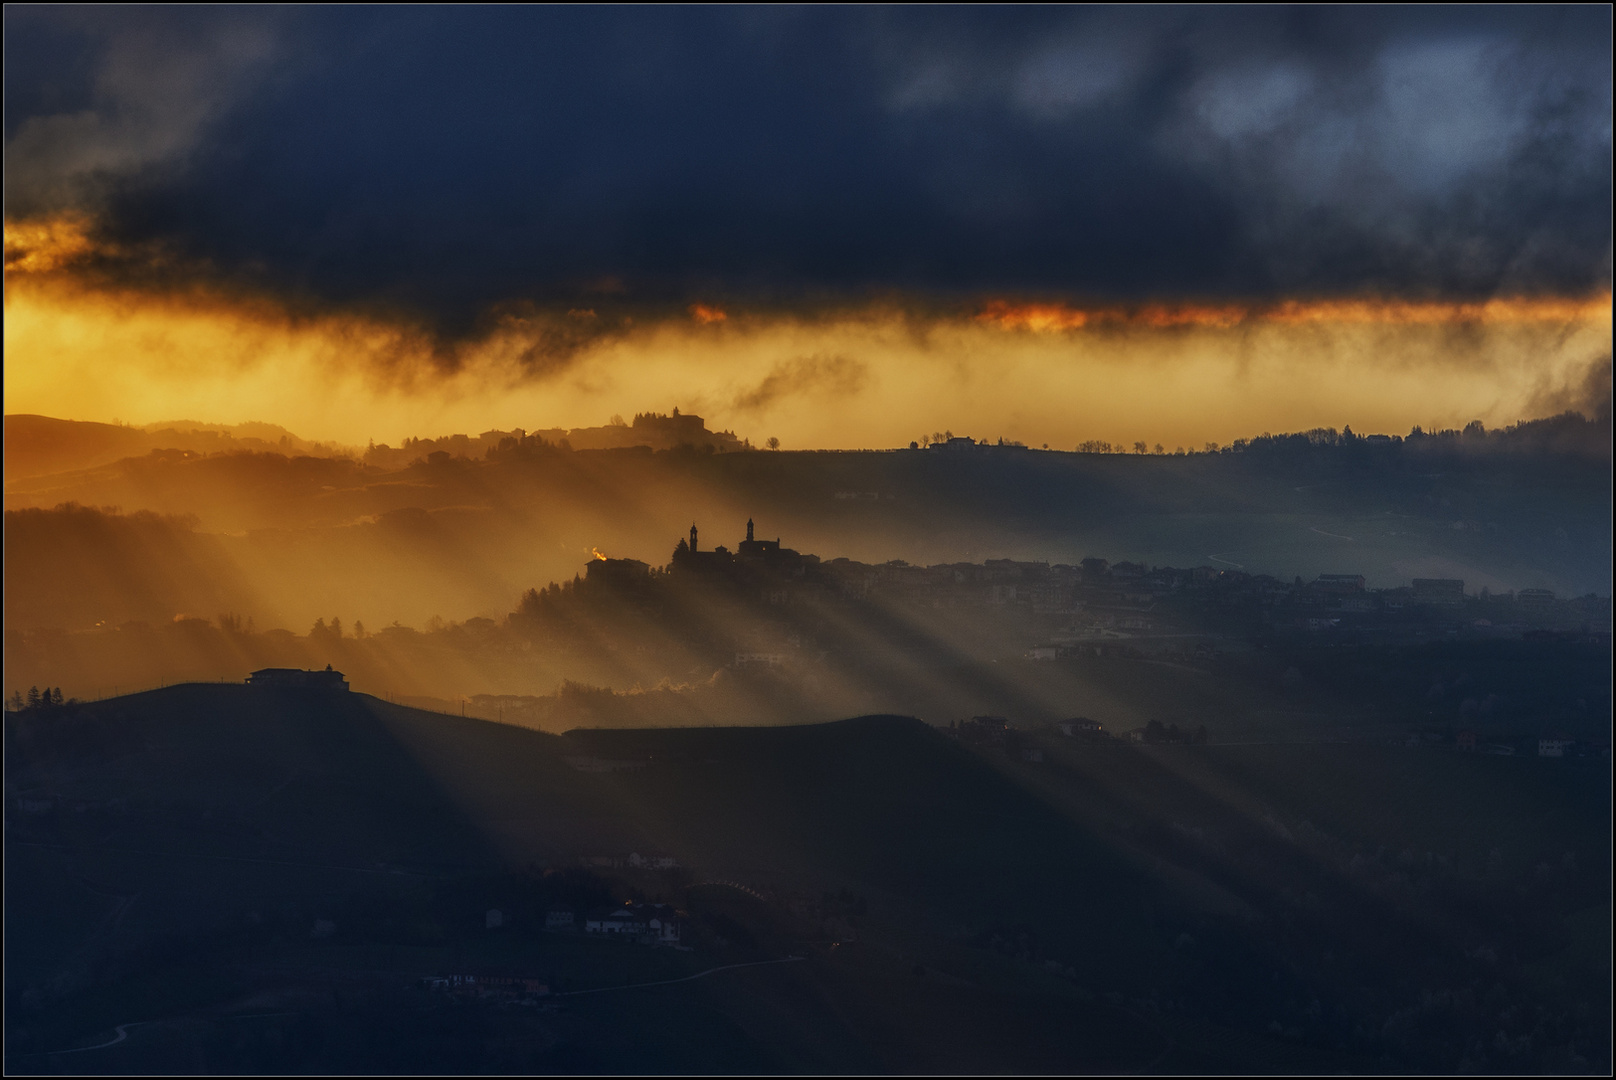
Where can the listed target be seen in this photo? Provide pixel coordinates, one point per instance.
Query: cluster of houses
(1558, 745)
(1103, 599)
(276, 678)
(647, 924)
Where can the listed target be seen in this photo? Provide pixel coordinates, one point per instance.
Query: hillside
(1112, 906)
(322, 536)
(43, 446)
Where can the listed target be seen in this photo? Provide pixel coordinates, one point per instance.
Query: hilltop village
(766, 633)
(1098, 604)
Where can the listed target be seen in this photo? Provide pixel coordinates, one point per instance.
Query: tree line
(39, 700)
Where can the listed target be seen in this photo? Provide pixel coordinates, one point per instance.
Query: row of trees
(1569, 432)
(39, 700)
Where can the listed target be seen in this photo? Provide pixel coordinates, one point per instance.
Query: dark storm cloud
(442, 160)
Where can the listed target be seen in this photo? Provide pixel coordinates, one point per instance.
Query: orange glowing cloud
(78, 346)
(45, 245)
(1053, 317)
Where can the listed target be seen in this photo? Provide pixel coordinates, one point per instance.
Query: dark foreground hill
(256, 881)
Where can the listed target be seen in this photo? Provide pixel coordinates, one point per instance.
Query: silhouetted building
(690, 557)
(1535, 596)
(754, 558)
(298, 678)
(655, 430)
(686, 428)
(753, 548)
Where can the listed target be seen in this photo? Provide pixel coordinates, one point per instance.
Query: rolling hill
(1106, 908)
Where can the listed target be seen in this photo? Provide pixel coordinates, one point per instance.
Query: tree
(56, 697)
(773, 443)
(359, 628)
(336, 626)
(1139, 447)
(33, 697)
(1211, 447)
(1159, 449)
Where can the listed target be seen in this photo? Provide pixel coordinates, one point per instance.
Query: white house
(652, 924)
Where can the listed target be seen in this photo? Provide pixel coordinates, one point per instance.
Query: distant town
(1123, 605)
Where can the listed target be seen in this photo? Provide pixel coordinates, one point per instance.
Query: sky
(844, 227)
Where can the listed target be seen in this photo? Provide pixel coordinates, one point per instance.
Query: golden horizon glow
(1180, 374)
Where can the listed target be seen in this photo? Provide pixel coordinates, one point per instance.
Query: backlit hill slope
(289, 539)
(1107, 908)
